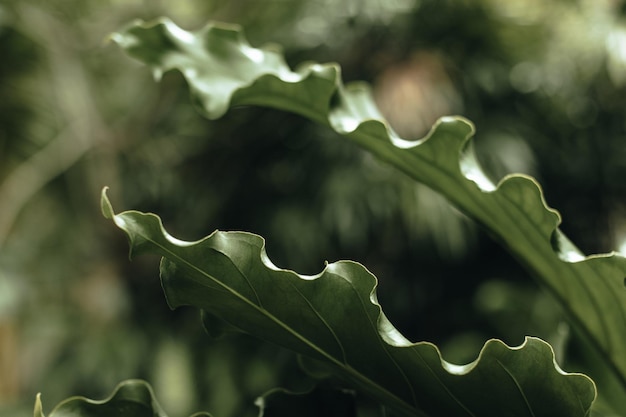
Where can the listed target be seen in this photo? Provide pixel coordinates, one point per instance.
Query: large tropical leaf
(334, 319)
(223, 71)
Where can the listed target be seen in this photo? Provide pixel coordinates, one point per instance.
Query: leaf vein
(323, 320)
(385, 346)
(519, 387)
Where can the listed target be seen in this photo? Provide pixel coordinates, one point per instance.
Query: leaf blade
(340, 324)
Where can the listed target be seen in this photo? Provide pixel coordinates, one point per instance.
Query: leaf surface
(223, 71)
(334, 319)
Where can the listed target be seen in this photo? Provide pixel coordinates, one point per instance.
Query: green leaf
(223, 71)
(335, 319)
(132, 398)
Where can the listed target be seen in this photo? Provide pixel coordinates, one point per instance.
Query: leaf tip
(38, 412)
(105, 204)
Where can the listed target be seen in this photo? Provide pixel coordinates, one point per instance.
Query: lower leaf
(335, 319)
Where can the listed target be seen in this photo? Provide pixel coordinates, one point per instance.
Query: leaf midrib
(394, 399)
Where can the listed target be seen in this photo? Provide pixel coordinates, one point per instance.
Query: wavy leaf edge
(131, 390)
(468, 165)
(388, 333)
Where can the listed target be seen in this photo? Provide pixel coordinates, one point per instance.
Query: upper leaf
(223, 70)
(334, 318)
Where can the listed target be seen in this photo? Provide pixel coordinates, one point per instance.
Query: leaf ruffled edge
(129, 394)
(353, 110)
(387, 332)
(273, 403)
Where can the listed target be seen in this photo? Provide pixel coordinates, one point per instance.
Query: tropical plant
(333, 319)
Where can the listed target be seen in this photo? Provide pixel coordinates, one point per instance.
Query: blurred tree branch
(72, 93)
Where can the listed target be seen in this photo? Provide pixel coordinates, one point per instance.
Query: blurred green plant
(334, 318)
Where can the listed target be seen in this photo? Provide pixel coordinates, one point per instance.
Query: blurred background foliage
(544, 83)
